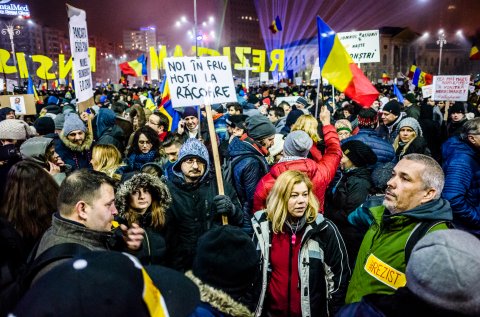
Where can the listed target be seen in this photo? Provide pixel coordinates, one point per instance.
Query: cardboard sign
(363, 46)
(193, 81)
(427, 91)
(291, 100)
(81, 61)
(451, 88)
(22, 104)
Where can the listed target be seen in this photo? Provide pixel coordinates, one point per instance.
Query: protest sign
(193, 80)
(2, 84)
(263, 77)
(427, 91)
(81, 61)
(363, 46)
(452, 88)
(22, 104)
(315, 71)
(11, 84)
(291, 100)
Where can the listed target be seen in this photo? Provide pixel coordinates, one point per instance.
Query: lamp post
(441, 41)
(11, 31)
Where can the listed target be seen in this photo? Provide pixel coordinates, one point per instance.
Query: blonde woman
(309, 124)
(304, 261)
(106, 158)
(144, 199)
(409, 139)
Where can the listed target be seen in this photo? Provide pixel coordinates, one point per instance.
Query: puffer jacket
(77, 156)
(153, 250)
(461, 164)
(322, 261)
(321, 171)
(247, 173)
(383, 149)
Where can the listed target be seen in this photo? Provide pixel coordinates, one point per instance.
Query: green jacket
(380, 265)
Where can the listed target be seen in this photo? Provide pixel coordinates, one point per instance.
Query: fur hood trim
(142, 180)
(219, 299)
(87, 144)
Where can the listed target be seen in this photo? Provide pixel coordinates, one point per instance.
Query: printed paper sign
(79, 48)
(290, 99)
(427, 91)
(192, 81)
(363, 46)
(264, 77)
(451, 88)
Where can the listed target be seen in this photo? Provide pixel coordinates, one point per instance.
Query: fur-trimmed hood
(142, 180)
(219, 299)
(87, 143)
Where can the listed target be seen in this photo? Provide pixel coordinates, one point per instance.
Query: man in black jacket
(196, 207)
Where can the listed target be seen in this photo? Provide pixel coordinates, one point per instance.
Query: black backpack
(228, 166)
(419, 232)
(11, 294)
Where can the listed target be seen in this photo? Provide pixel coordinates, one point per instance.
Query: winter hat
(367, 118)
(106, 283)
(44, 125)
(359, 153)
(73, 123)
(189, 112)
(226, 259)
(266, 101)
(457, 107)
(343, 125)
(59, 121)
(217, 107)
(13, 129)
(191, 148)
(276, 148)
(237, 120)
(392, 106)
(52, 100)
(443, 271)
(302, 101)
(411, 123)
(411, 98)
(297, 143)
(68, 108)
(259, 127)
(292, 116)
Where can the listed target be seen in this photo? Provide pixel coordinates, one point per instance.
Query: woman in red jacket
(321, 169)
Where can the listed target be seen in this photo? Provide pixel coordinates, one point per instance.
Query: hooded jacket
(380, 265)
(153, 248)
(384, 150)
(107, 130)
(77, 156)
(389, 132)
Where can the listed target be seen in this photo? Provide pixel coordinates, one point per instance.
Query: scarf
(136, 161)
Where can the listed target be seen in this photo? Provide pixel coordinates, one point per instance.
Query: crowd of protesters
(332, 208)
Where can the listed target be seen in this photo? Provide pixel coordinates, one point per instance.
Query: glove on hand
(223, 205)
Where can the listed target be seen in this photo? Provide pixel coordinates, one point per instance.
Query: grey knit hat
(73, 123)
(444, 271)
(13, 129)
(297, 143)
(59, 121)
(259, 127)
(412, 123)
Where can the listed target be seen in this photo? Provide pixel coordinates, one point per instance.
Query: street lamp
(441, 41)
(11, 31)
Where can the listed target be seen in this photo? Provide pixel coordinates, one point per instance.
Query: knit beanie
(191, 148)
(457, 107)
(297, 143)
(367, 118)
(343, 124)
(411, 123)
(189, 112)
(226, 259)
(259, 127)
(443, 271)
(217, 107)
(359, 153)
(44, 125)
(411, 98)
(59, 121)
(293, 116)
(302, 101)
(13, 129)
(392, 106)
(73, 123)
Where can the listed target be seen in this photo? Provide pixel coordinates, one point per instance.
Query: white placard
(291, 100)
(263, 77)
(298, 81)
(363, 46)
(192, 80)
(79, 48)
(451, 88)
(315, 71)
(2, 83)
(471, 88)
(427, 91)
(11, 84)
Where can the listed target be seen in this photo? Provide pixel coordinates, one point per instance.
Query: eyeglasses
(191, 161)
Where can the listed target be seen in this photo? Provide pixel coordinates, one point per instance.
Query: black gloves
(223, 205)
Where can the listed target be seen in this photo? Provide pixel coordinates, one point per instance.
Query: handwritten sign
(363, 46)
(194, 80)
(452, 88)
(79, 48)
(427, 91)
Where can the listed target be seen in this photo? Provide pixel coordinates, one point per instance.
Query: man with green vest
(411, 208)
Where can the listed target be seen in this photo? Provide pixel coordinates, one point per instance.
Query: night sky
(107, 18)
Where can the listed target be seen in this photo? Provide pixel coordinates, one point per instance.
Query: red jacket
(321, 170)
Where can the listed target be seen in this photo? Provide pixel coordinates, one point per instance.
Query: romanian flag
(135, 68)
(276, 25)
(418, 77)
(150, 103)
(385, 77)
(166, 106)
(339, 69)
(32, 90)
(474, 53)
